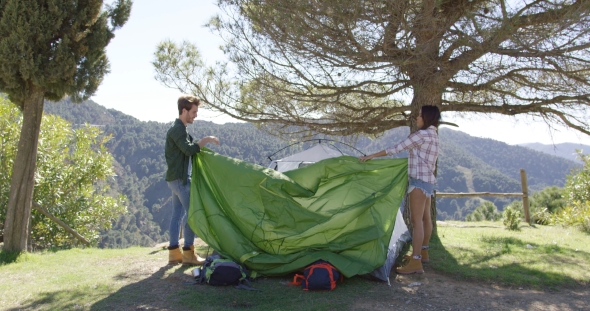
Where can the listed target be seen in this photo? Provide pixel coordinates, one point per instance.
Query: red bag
(319, 276)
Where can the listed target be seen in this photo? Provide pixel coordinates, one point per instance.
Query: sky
(131, 88)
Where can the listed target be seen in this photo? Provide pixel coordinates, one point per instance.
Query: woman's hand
(365, 158)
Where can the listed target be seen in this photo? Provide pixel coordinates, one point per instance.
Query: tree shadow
(519, 272)
(60, 300)
(155, 292)
(152, 293)
(7, 257)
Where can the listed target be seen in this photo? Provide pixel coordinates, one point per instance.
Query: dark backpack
(219, 271)
(321, 275)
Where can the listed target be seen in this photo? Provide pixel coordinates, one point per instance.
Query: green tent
(338, 210)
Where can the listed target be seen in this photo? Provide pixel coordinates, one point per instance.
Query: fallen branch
(59, 222)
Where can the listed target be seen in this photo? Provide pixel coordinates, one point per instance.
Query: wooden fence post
(525, 196)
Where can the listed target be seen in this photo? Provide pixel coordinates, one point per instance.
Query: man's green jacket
(178, 151)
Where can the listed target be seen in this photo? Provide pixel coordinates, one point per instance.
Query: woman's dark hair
(430, 116)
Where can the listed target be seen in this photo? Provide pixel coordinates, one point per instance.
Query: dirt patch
(434, 291)
(429, 291)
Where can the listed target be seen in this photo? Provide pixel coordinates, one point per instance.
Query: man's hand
(208, 139)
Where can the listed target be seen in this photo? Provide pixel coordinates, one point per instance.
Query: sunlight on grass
(57, 277)
(546, 256)
(127, 279)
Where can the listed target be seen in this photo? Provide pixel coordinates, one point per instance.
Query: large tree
(48, 49)
(348, 66)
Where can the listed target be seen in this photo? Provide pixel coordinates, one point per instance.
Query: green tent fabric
(338, 210)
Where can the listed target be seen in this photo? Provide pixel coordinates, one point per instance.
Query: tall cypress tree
(49, 49)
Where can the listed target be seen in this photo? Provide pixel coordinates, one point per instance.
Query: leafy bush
(551, 199)
(577, 192)
(511, 218)
(575, 215)
(73, 167)
(577, 186)
(486, 211)
(543, 204)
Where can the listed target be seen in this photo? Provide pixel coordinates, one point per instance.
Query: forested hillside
(466, 164)
(564, 150)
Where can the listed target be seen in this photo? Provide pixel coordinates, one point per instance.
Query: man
(179, 150)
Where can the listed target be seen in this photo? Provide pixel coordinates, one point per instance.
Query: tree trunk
(18, 211)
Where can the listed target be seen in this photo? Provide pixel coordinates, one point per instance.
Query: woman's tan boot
(424, 254)
(412, 266)
(189, 257)
(174, 255)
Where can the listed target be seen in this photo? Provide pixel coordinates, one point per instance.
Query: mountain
(564, 150)
(466, 164)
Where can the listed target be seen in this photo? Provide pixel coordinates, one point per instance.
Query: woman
(422, 147)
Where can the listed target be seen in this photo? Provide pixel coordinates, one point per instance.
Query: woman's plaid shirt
(422, 147)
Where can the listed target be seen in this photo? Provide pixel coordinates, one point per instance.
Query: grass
(60, 278)
(137, 278)
(536, 256)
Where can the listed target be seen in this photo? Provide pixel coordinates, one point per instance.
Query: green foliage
(56, 47)
(72, 169)
(551, 199)
(511, 218)
(576, 215)
(10, 119)
(542, 205)
(577, 191)
(545, 203)
(487, 211)
(577, 187)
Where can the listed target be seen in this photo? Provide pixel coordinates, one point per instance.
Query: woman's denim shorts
(427, 188)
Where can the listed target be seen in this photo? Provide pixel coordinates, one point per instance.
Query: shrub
(576, 215)
(486, 211)
(550, 200)
(577, 186)
(542, 205)
(511, 218)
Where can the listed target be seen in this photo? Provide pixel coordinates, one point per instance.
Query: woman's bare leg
(417, 206)
(427, 222)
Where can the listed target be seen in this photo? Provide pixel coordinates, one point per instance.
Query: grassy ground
(537, 258)
(136, 278)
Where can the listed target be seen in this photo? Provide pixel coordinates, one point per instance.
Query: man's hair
(187, 102)
(430, 116)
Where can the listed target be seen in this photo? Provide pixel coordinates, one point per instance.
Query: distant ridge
(564, 150)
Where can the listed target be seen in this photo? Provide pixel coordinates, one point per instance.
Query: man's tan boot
(412, 266)
(189, 257)
(174, 255)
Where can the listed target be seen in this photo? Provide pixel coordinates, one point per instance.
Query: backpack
(219, 271)
(321, 275)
